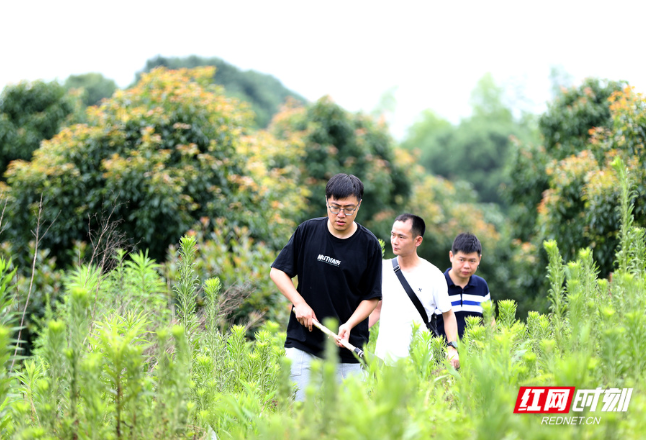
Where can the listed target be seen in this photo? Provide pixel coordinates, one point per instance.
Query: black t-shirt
(334, 276)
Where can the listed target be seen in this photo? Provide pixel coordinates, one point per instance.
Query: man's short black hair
(467, 243)
(344, 185)
(418, 228)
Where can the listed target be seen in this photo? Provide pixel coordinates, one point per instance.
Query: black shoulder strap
(431, 325)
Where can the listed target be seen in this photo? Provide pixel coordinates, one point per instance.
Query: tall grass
(136, 365)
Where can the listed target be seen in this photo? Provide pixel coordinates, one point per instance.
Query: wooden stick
(346, 344)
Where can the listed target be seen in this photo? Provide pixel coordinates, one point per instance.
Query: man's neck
(342, 234)
(408, 262)
(458, 281)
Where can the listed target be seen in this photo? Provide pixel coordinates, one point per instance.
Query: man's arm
(451, 330)
(304, 313)
(365, 308)
(375, 315)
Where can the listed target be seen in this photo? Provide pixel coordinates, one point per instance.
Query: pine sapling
(556, 276)
(186, 288)
(626, 194)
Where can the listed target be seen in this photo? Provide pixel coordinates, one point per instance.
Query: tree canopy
(29, 113)
(94, 85)
(581, 207)
(159, 156)
(336, 141)
(263, 92)
(565, 130)
(476, 149)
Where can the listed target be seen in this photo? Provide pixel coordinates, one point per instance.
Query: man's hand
(362, 312)
(304, 314)
(452, 355)
(344, 334)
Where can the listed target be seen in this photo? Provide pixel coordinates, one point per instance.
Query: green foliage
(565, 130)
(263, 92)
(8, 312)
(5, 380)
(566, 125)
(556, 276)
(477, 401)
(582, 206)
(241, 263)
(119, 356)
(159, 156)
(565, 189)
(94, 85)
(31, 112)
(124, 381)
(336, 141)
(475, 150)
(186, 288)
(526, 167)
(106, 367)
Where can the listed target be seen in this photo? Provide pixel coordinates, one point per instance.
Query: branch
(33, 272)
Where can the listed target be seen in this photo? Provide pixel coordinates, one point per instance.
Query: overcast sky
(433, 52)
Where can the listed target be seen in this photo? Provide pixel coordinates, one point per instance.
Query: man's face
(342, 220)
(402, 240)
(464, 265)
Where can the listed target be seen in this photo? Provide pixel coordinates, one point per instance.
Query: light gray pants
(300, 370)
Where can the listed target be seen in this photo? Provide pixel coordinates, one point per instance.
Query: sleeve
(286, 260)
(372, 276)
(441, 292)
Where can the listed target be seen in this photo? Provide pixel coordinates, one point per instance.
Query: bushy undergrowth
(118, 359)
(241, 263)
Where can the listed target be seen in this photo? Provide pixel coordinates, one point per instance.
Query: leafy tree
(476, 149)
(546, 182)
(29, 113)
(581, 207)
(95, 86)
(263, 92)
(565, 130)
(336, 141)
(167, 151)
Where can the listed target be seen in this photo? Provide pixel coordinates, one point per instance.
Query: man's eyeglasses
(346, 210)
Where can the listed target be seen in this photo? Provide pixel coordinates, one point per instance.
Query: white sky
(432, 51)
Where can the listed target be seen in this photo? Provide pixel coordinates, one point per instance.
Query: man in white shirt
(396, 310)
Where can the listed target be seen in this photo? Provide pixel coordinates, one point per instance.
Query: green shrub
(241, 263)
(158, 157)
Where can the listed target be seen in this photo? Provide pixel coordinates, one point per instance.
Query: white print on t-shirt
(329, 260)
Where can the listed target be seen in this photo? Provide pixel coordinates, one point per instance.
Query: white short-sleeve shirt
(398, 312)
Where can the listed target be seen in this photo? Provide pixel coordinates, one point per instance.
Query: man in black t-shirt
(338, 265)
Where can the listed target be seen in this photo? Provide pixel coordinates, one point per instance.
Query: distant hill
(263, 92)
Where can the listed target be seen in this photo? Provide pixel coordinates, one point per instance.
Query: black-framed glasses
(346, 211)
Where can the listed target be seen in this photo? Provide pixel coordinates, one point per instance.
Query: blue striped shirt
(465, 302)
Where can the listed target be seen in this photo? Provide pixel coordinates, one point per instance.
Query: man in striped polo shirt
(467, 291)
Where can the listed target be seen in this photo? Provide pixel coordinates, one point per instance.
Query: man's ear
(450, 255)
(418, 240)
